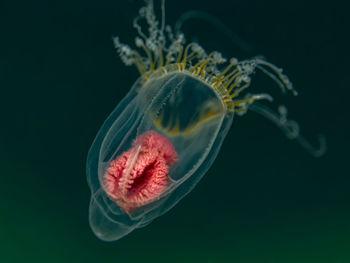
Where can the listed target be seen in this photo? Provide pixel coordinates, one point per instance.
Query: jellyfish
(164, 135)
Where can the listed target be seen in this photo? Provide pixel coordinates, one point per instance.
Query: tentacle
(290, 128)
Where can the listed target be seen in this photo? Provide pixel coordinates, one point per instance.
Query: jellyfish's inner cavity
(186, 110)
(140, 175)
(191, 103)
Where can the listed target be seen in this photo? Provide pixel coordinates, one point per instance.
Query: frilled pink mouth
(141, 174)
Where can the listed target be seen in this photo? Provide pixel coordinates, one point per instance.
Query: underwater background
(265, 199)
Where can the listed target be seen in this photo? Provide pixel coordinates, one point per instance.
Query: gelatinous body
(164, 135)
(175, 122)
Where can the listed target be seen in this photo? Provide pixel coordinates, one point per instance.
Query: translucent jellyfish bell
(165, 134)
(189, 122)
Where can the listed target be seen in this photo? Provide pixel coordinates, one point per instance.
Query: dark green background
(264, 199)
